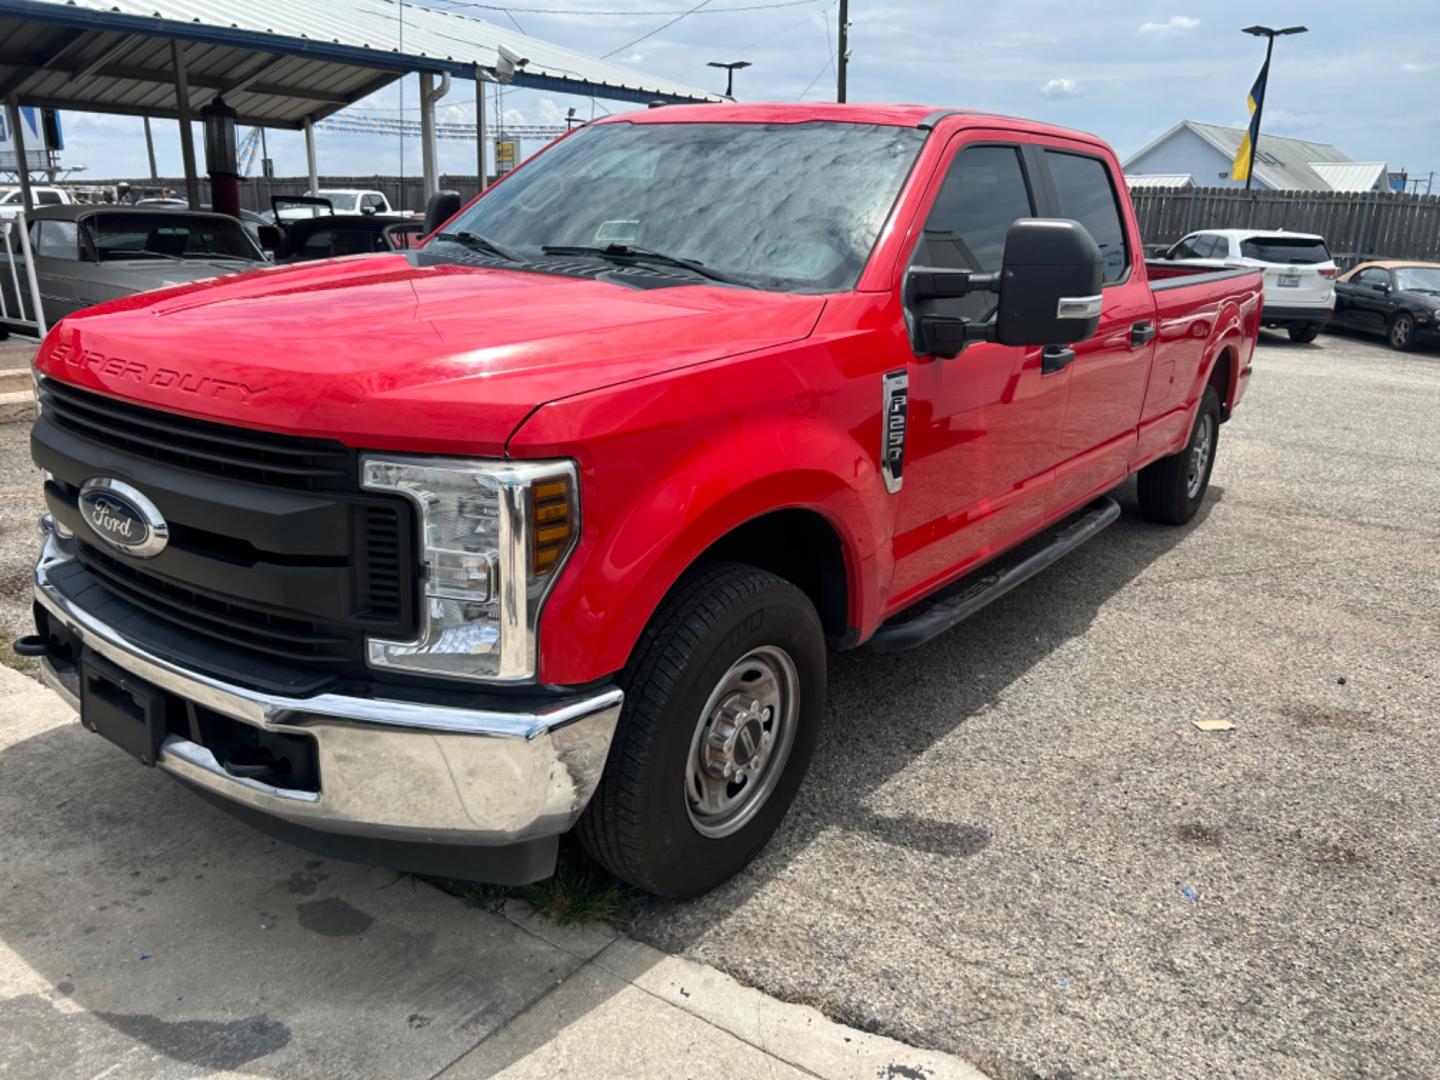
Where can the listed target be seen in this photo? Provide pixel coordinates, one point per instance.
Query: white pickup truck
(11, 201)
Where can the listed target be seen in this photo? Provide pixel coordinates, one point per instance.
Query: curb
(17, 405)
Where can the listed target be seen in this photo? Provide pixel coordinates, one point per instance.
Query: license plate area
(127, 711)
(1288, 281)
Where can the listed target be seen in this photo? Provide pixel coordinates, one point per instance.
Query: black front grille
(235, 453)
(384, 580)
(228, 621)
(278, 567)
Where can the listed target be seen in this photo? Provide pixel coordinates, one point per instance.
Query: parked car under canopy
(87, 254)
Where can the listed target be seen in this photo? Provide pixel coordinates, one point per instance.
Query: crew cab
(424, 558)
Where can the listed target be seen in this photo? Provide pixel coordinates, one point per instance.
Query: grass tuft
(578, 892)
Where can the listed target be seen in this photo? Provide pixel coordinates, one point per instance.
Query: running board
(994, 581)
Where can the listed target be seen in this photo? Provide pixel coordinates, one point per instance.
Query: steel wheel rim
(1400, 331)
(1200, 456)
(742, 742)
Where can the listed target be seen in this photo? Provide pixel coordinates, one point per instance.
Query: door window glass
(1087, 195)
(58, 240)
(46, 197)
(984, 193)
(1375, 275)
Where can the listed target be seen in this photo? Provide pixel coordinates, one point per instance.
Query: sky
(1365, 78)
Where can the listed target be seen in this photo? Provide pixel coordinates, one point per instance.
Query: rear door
(1295, 269)
(1110, 370)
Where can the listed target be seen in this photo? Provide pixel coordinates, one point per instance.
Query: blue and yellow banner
(1245, 155)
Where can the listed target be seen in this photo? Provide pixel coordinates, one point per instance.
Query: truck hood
(403, 352)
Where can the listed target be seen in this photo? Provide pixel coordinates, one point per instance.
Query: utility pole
(1271, 35)
(844, 54)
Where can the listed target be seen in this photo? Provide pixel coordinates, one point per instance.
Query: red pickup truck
(425, 558)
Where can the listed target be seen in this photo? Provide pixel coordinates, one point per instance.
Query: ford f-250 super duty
(425, 558)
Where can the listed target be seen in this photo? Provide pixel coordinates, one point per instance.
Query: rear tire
(1303, 335)
(1172, 489)
(1401, 333)
(727, 680)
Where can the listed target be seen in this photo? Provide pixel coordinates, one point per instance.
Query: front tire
(1303, 335)
(723, 700)
(1401, 333)
(1172, 489)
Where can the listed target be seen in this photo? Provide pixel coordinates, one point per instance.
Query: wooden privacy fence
(1356, 225)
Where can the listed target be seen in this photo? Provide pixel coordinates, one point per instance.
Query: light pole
(729, 69)
(1270, 34)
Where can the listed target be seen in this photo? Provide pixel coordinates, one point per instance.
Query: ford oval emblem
(123, 517)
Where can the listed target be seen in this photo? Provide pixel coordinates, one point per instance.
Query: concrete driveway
(144, 934)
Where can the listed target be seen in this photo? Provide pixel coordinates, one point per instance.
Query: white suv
(1299, 272)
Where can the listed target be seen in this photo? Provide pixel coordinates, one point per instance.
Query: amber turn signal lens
(552, 523)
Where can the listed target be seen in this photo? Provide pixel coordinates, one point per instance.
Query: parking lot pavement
(1013, 844)
(144, 934)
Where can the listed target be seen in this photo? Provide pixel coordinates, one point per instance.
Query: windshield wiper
(475, 240)
(625, 251)
(105, 252)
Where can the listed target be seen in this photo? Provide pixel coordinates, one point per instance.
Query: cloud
(1176, 24)
(1418, 65)
(1061, 88)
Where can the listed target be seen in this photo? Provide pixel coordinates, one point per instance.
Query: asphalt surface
(1014, 845)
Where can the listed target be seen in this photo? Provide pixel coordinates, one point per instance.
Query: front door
(983, 427)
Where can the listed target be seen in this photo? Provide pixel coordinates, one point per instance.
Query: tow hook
(31, 645)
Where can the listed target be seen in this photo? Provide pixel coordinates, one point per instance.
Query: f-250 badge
(897, 413)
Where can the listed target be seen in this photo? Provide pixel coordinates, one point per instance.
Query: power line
(628, 13)
(758, 41)
(824, 68)
(658, 29)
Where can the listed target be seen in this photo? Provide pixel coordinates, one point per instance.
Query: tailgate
(1298, 284)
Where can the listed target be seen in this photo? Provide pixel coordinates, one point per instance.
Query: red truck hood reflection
(379, 352)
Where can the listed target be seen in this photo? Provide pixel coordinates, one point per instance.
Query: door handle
(1055, 358)
(1141, 333)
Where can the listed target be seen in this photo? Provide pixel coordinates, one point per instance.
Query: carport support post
(310, 156)
(187, 133)
(480, 126)
(22, 164)
(427, 134)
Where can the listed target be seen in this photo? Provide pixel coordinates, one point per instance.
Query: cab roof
(914, 116)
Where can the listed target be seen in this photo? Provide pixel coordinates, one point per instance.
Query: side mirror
(368, 211)
(443, 205)
(1380, 286)
(1049, 286)
(269, 237)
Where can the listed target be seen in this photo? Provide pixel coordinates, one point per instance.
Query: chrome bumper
(388, 769)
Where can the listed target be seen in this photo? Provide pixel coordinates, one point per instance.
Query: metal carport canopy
(277, 62)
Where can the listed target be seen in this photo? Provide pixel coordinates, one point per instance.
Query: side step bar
(993, 581)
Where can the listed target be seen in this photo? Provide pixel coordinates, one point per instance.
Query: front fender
(657, 492)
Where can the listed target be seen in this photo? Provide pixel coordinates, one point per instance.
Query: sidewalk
(145, 934)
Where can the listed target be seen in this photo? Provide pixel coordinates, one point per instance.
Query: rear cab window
(1087, 194)
(1297, 250)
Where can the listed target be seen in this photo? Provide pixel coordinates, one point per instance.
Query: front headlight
(494, 536)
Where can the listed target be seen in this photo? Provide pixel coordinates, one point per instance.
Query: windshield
(343, 201)
(169, 236)
(1300, 250)
(778, 206)
(1419, 278)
